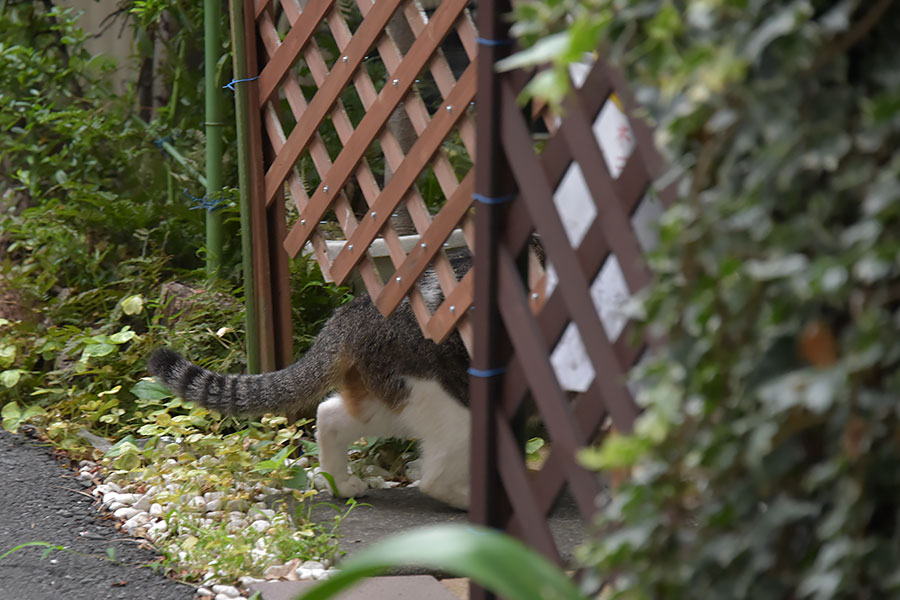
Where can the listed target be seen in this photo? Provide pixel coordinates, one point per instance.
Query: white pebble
(375, 483)
(142, 503)
(229, 590)
(414, 469)
(112, 485)
(267, 512)
(156, 510)
(138, 520)
(116, 506)
(375, 471)
(128, 499)
(197, 503)
(202, 592)
(126, 512)
(312, 564)
(233, 527)
(237, 505)
(213, 504)
(210, 496)
(158, 530)
(261, 525)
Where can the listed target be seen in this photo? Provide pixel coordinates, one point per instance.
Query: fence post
(212, 22)
(241, 112)
(489, 505)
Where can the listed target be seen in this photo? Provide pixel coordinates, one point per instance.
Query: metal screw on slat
(423, 245)
(452, 309)
(325, 188)
(373, 214)
(396, 82)
(344, 59)
(449, 108)
(350, 247)
(535, 296)
(303, 222)
(399, 279)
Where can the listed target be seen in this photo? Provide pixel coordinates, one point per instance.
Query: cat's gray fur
(366, 359)
(356, 342)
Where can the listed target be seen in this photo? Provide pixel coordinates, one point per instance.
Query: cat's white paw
(351, 486)
(348, 486)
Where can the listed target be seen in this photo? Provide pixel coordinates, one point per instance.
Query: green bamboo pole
(238, 41)
(212, 21)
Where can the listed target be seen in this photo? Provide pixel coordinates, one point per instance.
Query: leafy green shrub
(766, 464)
(101, 264)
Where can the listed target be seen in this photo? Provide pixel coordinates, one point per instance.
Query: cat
(387, 381)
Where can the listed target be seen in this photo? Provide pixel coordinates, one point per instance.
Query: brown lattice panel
(518, 355)
(331, 77)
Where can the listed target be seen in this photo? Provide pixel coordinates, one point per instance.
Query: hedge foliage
(767, 463)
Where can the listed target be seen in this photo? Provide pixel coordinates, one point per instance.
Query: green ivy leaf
(150, 390)
(125, 335)
(133, 305)
(617, 451)
(7, 355)
(95, 350)
(10, 377)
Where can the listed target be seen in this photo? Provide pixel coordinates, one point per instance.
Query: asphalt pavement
(42, 504)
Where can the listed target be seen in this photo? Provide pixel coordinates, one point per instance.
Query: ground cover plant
(766, 464)
(100, 263)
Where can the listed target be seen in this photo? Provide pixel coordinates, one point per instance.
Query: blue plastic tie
(487, 373)
(493, 199)
(487, 42)
(206, 202)
(230, 84)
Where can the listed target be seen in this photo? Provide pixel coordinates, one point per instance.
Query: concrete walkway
(385, 512)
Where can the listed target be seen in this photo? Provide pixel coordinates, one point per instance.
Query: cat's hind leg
(339, 424)
(442, 425)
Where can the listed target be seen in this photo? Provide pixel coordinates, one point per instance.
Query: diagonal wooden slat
(526, 339)
(284, 57)
(401, 180)
(371, 124)
(320, 105)
(429, 245)
(575, 286)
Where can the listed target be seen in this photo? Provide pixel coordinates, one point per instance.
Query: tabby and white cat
(387, 380)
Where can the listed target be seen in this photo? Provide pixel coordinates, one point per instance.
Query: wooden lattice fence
(359, 113)
(590, 201)
(361, 116)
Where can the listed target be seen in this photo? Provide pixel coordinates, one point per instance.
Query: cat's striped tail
(294, 391)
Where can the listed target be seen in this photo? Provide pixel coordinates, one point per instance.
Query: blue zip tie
(486, 42)
(493, 199)
(230, 84)
(159, 142)
(487, 373)
(206, 202)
